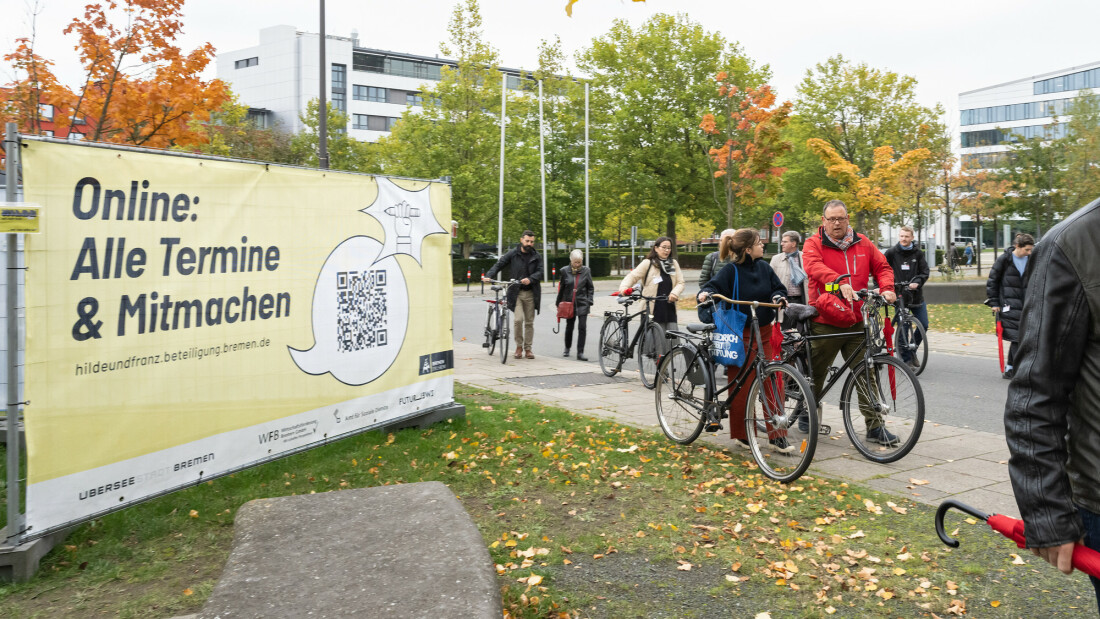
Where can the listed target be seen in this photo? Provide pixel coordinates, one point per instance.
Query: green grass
(961, 319)
(607, 515)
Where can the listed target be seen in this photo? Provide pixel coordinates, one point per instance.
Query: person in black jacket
(756, 281)
(909, 265)
(576, 287)
(1052, 413)
(1004, 291)
(525, 264)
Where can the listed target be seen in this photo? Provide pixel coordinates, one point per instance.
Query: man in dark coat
(1004, 291)
(524, 300)
(909, 265)
(1052, 414)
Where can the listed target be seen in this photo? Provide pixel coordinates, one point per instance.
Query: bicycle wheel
(502, 330)
(650, 345)
(911, 337)
(781, 422)
(889, 403)
(612, 342)
(684, 388)
(491, 333)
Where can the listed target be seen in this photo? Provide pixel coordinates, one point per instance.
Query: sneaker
(581, 357)
(1009, 373)
(742, 443)
(566, 353)
(914, 364)
(781, 445)
(882, 436)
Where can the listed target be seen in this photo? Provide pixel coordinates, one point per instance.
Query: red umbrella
(1085, 559)
(1000, 340)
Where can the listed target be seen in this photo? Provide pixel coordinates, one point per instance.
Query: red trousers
(740, 399)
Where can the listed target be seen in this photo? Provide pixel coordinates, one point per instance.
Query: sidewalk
(959, 463)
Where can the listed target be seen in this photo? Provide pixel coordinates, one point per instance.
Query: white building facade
(278, 78)
(992, 118)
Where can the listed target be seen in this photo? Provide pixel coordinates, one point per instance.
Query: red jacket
(824, 262)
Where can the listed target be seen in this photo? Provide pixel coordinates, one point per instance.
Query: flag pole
(542, 175)
(587, 242)
(500, 207)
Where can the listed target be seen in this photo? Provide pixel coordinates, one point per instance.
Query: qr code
(361, 310)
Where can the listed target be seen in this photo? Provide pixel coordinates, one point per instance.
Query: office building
(278, 78)
(992, 118)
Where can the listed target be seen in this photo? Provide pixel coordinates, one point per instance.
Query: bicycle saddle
(496, 287)
(699, 327)
(797, 313)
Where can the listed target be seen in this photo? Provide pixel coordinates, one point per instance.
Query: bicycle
(891, 402)
(647, 342)
(780, 408)
(498, 321)
(910, 335)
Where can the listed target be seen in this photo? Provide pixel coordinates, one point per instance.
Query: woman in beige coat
(658, 275)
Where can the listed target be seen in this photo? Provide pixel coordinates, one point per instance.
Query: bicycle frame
(851, 362)
(623, 317)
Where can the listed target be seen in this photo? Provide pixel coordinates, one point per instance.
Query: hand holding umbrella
(1085, 559)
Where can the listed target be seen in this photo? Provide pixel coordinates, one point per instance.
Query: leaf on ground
(957, 607)
(995, 603)
(1017, 559)
(684, 566)
(763, 615)
(856, 535)
(917, 482)
(194, 513)
(893, 506)
(188, 591)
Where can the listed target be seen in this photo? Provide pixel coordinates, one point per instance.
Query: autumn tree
(875, 194)
(139, 87)
(651, 85)
(23, 102)
(749, 131)
(1034, 166)
(856, 109)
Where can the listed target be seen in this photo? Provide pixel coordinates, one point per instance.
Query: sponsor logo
(437, 362)
(105, 488)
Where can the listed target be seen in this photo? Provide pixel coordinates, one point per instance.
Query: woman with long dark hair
(658, 275)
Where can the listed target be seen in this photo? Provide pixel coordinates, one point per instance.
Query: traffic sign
(777, 219)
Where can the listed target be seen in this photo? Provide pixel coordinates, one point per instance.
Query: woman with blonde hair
(748, 278)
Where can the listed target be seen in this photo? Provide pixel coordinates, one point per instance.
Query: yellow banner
(190, 316)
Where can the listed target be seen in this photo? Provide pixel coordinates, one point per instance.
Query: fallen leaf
(188, 591)
(918, 482)
(1017, 559)
(684, 566)
(194, 513)
(995, 603)
(763, 615)
(534, 579)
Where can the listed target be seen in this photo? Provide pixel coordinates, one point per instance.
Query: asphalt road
(959, 390)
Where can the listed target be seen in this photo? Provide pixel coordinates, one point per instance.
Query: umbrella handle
(557, 328)
(962, 507)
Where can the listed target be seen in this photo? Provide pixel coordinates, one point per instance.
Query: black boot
(566, 353)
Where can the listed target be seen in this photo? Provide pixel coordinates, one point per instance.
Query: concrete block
(19, 563)
(409, 550)
(429, 417)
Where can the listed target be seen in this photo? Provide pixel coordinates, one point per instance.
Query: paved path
(961, 463)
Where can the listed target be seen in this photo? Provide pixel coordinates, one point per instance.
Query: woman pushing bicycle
(660, 276)
(748, 278)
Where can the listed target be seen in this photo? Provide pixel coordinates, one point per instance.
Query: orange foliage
(139, 87)
(878, 191)
(752, 143)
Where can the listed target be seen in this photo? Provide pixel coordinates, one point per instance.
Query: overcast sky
(949, 46)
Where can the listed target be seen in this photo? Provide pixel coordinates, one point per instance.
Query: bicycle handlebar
(752, 303)
(510, 282)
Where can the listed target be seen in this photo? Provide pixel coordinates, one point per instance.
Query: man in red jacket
(836, 250)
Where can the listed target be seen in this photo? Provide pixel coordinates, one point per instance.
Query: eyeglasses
(836, 220)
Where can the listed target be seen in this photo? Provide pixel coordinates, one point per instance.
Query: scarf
(846, 242)
(798, 275)
(666, 265)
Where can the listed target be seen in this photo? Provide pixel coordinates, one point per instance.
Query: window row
(1017, 111)
(375, 63)
(1073, 81)
(373, 123)
(990, 137)
(247, 62)
(985, 161)
(377, 94)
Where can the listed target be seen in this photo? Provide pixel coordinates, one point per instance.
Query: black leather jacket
(519, 263)
(1052, 416)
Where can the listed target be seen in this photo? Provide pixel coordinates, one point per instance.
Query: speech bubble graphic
(406, 217)
(360, 314)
